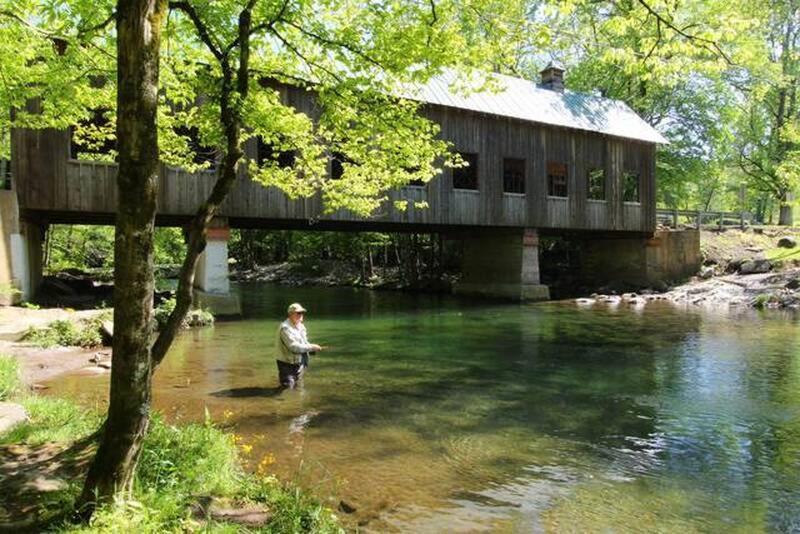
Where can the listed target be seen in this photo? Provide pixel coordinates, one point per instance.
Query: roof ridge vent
(553, 77)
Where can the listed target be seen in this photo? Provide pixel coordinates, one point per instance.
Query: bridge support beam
(212, 287)
(502, 264)
(20, 253)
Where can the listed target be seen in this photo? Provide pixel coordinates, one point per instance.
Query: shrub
(65, 333)
(163, 310)
(193, 318)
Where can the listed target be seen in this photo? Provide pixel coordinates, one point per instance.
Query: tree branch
(333, 42)
(708, 44)
(202, 30)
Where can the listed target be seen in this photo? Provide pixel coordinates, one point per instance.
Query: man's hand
(315, 348)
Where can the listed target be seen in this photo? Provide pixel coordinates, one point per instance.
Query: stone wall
(668, 256)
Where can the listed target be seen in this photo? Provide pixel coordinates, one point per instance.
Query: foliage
(88, 247)
(712, 75)
(194, 318)
(408, 257)
(179, 464)
(66, 333)
(162, 311)
(10, 382)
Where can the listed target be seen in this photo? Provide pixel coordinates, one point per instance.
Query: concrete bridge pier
(212, 287)
(20, 253)
(502, 264)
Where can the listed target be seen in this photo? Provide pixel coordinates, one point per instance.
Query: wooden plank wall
(48, 180)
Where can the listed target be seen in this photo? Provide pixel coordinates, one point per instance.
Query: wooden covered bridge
(542, 160)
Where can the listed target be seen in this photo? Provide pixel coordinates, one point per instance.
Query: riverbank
(38, 364)
(190, 477)
(752, 269)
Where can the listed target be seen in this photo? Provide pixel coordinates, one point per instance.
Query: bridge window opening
(265, 152)
(557, 179)
(94, 138)
(596, 184)
(201, 154)
(337, 165)
(416, 182)
(466, 177)
(514, 175)
(630, 186)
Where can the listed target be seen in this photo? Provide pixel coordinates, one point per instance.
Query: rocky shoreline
(740, 269)
(773, 290)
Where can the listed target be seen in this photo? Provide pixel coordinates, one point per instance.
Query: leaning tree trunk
(138, 41)
(233, 91)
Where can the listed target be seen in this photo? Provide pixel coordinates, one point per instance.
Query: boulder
(755, 267)
(11, 414)
(707, 272)
(787, 242)
(793, 284)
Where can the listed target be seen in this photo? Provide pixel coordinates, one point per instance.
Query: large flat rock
(11, 414)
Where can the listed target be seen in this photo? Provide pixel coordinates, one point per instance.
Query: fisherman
(293, 347)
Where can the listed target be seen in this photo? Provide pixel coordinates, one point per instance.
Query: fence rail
(698, 218)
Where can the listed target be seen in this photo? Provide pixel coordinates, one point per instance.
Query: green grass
(10, 382)
(783, 254)
(179, 464)
(51, 419)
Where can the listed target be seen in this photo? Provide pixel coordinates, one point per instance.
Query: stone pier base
(668, 256)
(212, 287)
(502, 264)
(20, 253)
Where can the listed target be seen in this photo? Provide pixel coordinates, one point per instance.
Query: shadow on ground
(36, 479)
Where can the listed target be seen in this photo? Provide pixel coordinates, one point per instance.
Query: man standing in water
(293, 347)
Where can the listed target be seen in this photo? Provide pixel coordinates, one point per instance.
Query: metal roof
(524, 100)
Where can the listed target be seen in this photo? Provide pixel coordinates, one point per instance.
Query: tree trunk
(138, 34)
(786, 217)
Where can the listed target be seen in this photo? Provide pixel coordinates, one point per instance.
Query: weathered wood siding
(47, 180)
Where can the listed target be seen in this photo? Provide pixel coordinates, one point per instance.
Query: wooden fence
(698, 218)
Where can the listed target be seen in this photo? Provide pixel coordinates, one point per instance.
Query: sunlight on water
(431, 413)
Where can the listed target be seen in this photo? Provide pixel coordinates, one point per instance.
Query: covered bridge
(541, 160)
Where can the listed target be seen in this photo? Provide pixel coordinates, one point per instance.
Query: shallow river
(433, 414)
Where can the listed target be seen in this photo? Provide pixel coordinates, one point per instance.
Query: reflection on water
(431, 413)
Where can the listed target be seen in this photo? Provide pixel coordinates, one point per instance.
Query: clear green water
(433, 414)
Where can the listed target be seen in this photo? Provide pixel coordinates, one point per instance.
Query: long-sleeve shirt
(292, 342)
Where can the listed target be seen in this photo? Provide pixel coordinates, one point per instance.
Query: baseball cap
(296, 308)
